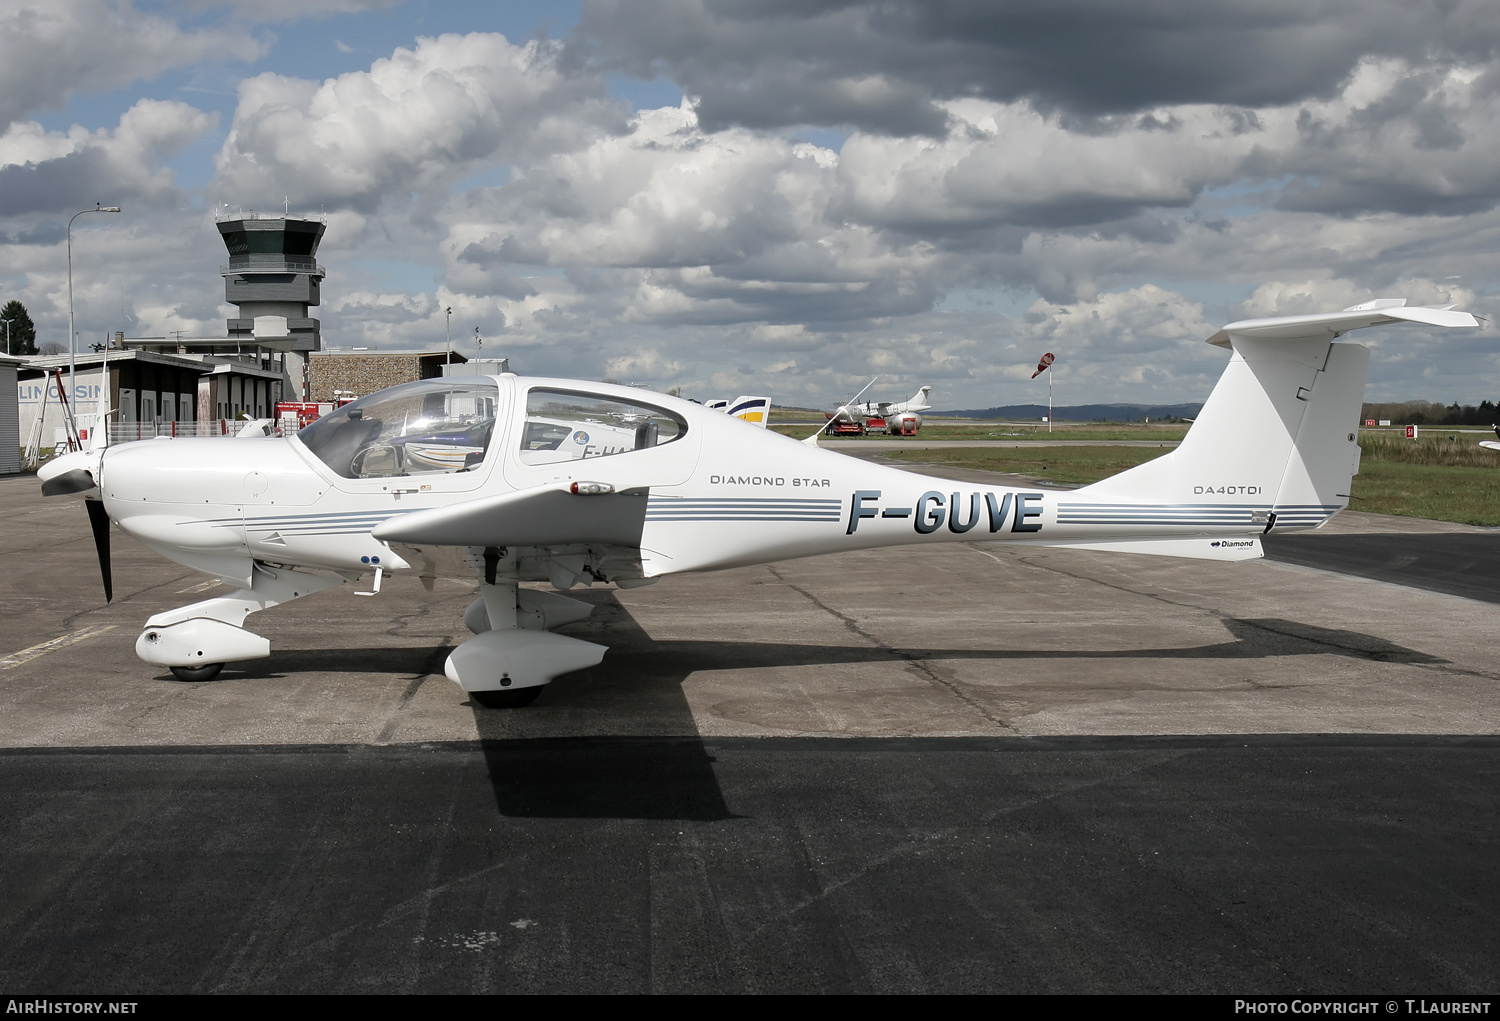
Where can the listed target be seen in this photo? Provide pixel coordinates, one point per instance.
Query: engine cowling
(905, 424)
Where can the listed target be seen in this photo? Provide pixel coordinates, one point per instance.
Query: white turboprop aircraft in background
(899, 416)
(885, 409)
(507, 479)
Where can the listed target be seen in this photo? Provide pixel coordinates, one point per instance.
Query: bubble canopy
(431, 427)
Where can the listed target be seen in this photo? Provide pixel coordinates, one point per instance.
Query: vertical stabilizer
(756, 410)
(1278, 435)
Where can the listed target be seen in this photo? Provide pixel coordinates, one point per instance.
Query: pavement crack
(915, 662)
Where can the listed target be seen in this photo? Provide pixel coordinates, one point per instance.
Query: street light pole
(449, 313)
(7, 323)
(72, 342)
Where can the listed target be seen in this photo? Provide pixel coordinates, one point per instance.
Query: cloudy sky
(777, 197)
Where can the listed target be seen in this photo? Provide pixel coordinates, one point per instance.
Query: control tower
(274, 277)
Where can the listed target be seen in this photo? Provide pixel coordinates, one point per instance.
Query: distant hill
(1084, 412)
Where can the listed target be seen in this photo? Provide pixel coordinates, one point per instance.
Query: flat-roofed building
(149, 392)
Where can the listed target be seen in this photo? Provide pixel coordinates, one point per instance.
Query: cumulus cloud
(262, 11)
(886, 66)
(1406, 138)
(733, 225)
(720, 238)
(992, 200)
(52, 51)
(1148, 336)
(702, 227)
(51, 171)
(415, 122)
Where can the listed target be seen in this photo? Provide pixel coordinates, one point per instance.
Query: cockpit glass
(565, 425)
(431, 427)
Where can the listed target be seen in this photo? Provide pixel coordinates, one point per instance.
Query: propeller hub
(75, 474)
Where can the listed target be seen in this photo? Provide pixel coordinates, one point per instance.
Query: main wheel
(502, 699)
(207, 672)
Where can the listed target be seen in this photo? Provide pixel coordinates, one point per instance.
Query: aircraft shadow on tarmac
(672, 777)
(1461, 564)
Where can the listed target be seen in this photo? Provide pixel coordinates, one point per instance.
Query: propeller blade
(99, 519)
(813, 439)
(76, 481)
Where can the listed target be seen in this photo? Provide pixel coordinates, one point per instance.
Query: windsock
(1041, 366)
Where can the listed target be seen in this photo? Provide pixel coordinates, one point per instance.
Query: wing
(545, 516)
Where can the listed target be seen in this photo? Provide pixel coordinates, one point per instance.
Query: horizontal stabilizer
(1327, 325)
(1205, 548)
(546, 516)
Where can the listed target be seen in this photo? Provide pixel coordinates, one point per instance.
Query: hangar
(10, 428)
(151, 393)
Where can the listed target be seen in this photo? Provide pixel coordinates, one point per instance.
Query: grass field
(938, 429)
(1437, 478)
(1065, 465)
(1453, 449)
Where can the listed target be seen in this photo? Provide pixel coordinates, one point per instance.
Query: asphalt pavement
(1113, 865)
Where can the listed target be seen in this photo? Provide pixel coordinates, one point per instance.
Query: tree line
(1485, 413)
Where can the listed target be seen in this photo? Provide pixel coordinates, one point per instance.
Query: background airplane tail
(1279, 434)
(756, 410)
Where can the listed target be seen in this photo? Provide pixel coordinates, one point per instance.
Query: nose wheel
(207, 672)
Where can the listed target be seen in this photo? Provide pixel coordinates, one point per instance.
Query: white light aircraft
(507, 479)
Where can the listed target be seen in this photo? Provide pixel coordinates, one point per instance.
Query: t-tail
(756, 410)
(1276, 445)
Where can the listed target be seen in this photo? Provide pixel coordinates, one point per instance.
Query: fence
(126, 432)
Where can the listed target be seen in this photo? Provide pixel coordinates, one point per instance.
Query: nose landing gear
(207, 672)
(517, 699)
(195, 641)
